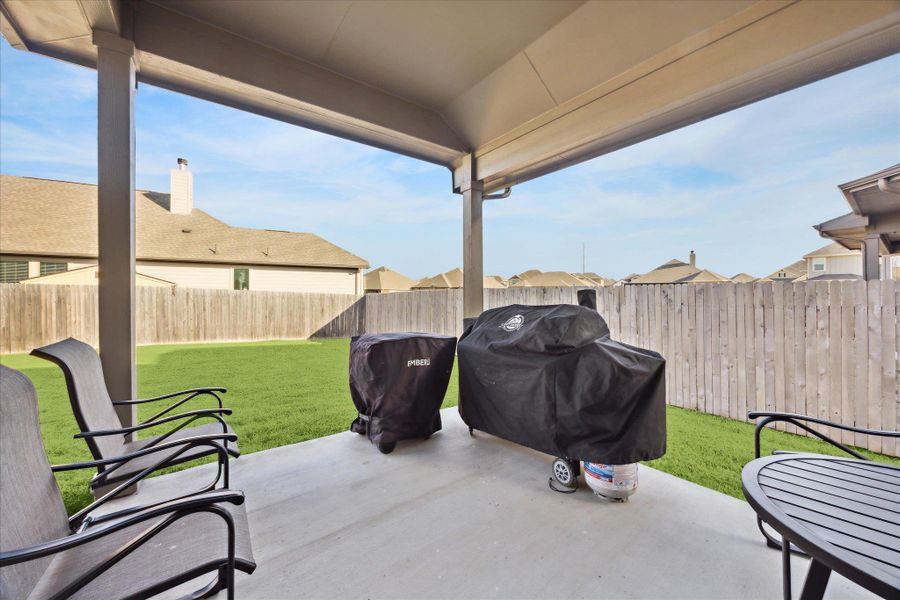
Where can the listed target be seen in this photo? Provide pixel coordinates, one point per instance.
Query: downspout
(500, 196)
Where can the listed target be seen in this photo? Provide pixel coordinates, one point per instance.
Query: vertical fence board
(889, 390)
(875, 355)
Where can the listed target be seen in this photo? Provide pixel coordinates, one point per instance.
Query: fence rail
(830, 349)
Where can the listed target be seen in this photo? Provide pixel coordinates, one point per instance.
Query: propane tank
(614, 482)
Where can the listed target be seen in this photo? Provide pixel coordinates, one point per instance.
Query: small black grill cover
(550, 378)
(398, 382)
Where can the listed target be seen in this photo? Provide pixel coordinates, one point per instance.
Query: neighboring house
(453, 279)
(516, 279)
(873, 224)
(384, 281)
(743, 278)
(795, 271)
(833, 261)
(628, 278)
(444, 281)
(89, 276)
(554, 279)
(676, 271)
(595, 278)
(537, 278)
(51, 226)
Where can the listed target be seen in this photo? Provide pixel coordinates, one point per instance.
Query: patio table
(843, 513)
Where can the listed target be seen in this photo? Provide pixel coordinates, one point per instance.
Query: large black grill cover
(550, 378)
(398, 382)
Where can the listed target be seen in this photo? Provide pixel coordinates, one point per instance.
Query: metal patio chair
(135, 553)
(100, 426)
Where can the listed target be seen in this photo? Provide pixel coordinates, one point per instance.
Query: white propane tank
(615, 482)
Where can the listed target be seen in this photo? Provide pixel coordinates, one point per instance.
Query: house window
(242, 279)
(52, 267)
(818, 265)
(13, 271)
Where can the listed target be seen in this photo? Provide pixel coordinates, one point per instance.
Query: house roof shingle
(831, 249)
(384, 279)
(59, 218)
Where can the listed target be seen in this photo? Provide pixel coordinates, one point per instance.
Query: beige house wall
(221, 277)
(191, 275)
(311, 280)
(836, 265)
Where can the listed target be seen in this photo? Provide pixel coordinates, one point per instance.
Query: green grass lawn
(287, 392)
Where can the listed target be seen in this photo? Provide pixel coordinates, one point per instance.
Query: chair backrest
(31, 506)
(88, 395)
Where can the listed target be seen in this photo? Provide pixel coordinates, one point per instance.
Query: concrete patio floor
(463, 517)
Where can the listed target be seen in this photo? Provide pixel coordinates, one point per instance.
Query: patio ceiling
(526, 88)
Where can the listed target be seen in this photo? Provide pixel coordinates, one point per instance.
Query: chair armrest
(782, 416)
(188, 396)
(180, 506)
(800, 421)
(228, 437)
(147, 424)
(181, 446)
(193, 391)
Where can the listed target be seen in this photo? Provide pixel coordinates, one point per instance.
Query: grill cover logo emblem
(513, 323)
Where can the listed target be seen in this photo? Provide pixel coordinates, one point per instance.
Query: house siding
(221, 277)
(190, 275)
(310, 280)
(850, 264)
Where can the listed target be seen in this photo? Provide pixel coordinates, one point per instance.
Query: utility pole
(583, 246)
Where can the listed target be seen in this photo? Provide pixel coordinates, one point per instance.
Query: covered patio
(497, 92)
(461, 517)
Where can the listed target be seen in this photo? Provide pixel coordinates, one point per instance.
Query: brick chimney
(181, 188)
(693, 259)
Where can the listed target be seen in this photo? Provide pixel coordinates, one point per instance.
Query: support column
(473, 251)
(115, 216)
(870, 251)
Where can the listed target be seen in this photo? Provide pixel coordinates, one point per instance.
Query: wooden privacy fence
(34, 315)
(830, 349)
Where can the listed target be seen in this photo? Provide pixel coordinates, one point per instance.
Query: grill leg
(816, 580)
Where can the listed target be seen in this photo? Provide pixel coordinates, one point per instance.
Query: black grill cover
(398, 382)
(550, 378)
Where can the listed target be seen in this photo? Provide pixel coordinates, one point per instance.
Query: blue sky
(742, 189)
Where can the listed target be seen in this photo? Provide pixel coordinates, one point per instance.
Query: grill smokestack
(181, 189)
(693, 259)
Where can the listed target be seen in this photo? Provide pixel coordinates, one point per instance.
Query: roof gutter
(889, 187)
